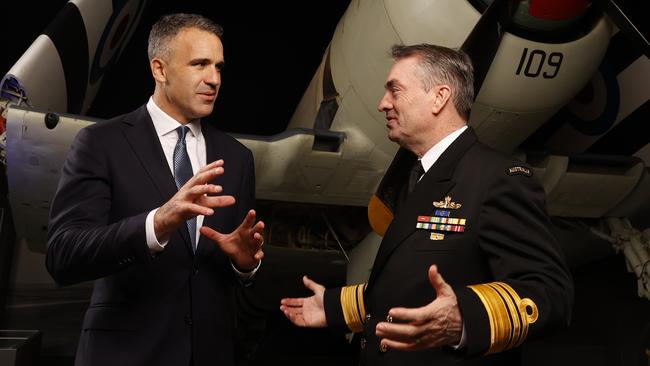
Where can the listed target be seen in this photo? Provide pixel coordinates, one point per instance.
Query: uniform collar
(432, 155)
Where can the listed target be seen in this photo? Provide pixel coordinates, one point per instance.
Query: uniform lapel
(434, 185)
(141, 135)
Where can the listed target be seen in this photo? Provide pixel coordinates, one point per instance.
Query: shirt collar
(431, 156)
(164, 123)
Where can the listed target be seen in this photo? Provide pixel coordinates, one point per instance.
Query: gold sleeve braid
(509, 315)
(354, 310)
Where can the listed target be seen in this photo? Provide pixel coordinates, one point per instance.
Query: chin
(204, 112)
(392, 137)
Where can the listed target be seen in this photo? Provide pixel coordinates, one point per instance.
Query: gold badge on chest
(446, 203)
(441, 221)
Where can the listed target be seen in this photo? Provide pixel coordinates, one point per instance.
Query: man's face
(408, 107)
(192, 74)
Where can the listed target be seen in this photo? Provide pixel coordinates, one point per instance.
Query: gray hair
(441, 65)
(168, 26)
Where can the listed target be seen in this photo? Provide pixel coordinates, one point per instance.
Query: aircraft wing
(335, 151)
(37, 144)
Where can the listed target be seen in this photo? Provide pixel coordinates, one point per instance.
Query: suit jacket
(503, 262)
(165, 309)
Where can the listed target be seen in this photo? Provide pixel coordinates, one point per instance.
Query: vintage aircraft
(562, 84)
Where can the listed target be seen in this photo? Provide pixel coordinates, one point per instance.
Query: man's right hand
(306, 311)
(191, 200)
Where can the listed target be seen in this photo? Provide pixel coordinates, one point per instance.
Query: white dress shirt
(166, 127)
(432, 155)
(430, 158)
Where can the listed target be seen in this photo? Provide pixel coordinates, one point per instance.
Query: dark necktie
(414, 177)
(183, 173)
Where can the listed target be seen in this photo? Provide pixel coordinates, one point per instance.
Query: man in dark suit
(143, 208)
(466, 211)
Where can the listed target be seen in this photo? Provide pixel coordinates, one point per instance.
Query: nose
(213, 78)
(385, 103)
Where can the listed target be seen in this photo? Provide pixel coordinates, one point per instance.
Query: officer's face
(192, 74)
(407, 105)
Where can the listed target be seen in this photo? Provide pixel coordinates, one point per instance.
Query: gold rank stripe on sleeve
(509, 315)
(354, 310)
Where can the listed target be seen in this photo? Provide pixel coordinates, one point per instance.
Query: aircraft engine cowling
(72, 55)
(526, 84)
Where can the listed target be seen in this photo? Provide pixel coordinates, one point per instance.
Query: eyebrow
(391, 83)
(219, 65)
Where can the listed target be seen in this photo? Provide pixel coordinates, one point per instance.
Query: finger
(399, 332)
(204, 189)
(256, 230)
(259, 227)
(216, 201)
(401, 346)
(259, 237)
(312, 285)
(212, 165)
(191, 210)
(292, 310)
(259, 241)
(204, 176)
(410, 315)
(438, 283)
(211, 234)
(248, 220)
(292, 301)
(197, 210)
(259, 255)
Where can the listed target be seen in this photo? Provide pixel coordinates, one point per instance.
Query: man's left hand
(436, 324)
(244, 245)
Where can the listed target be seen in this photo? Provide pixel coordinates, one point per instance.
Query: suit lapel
(434, 185)
(142, 137)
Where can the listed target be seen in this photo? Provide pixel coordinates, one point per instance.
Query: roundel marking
(118, 27)
(594, 110)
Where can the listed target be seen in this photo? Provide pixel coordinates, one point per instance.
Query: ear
(158, 70)
(442, 93)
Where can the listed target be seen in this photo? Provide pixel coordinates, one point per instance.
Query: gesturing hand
(191, 200)
(306, 311)
(433, 325)
(244, 245)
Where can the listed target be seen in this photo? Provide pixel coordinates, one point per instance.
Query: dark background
(272, 50)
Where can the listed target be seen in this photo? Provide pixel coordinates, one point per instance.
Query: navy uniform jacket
(502, 261)
(145, 310)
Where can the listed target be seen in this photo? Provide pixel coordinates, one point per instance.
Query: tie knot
(182, 132)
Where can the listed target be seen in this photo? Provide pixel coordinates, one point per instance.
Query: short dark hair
(442, 65)
(168, 26)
